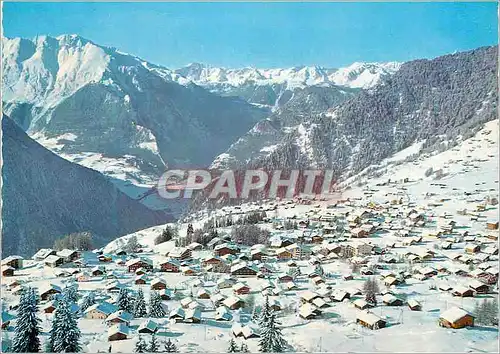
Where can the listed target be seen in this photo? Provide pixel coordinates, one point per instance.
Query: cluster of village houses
(347, 231)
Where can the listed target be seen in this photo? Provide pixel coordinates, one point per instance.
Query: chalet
(391, 280)
(462, 291)
(391, 300)
(140, 271)
(148, 326)
(339, 295)
(49, 290)
(472, 248)
(479, 287)
(225, 249)
(15, 262)
(7, 271)
(414, 305)
(181, 253)
(68, 255)
(140, 279)
(223, 314)
(195, 246)
(308, 296)
(308, 311)
(186, 301)
(446, 245)
(43, 253)
(136, 263)
(119, 317)
(189, 271)
(492, 225)
(118, 331)
(361, 304)
(283, 254)
(192, 315)
(100, 311)
(257, 254)
(158, 284)
(359, 249)
(248, 331)
(358, 232)
(233, 303)
(456, 317)
(241, 289)
(202, 293)
(170, 265)
(177, 314)
(243, 270)
(96, 271)
(370, 320)
(212, 260)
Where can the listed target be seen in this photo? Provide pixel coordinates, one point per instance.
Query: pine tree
(27, 327)
(265, 314)
(65, 334)
(140, 305)
(170, 347)
(70, 293)
(370, 288)
(271, 339)
(232, 346)
(140, 346)
(88, 300)
(155, 307)
(244, 348)
(124, 301)
(153, 345)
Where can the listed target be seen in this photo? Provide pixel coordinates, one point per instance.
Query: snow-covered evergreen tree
(265, 314)
(155, 306)
(232, 346)
(140, 346)
(271, 338)
(140, 305)
(27, 327)
(154, 346)
(70, 293)
(170, 347)
(65, 334)
(371, 289)
(87, 301)
(125, 301)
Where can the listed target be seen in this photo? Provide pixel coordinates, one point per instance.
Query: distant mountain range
(130, 120)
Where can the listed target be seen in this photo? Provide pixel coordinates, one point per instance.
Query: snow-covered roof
(368, 317)
(453, 314)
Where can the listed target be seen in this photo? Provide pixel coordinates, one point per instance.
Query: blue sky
(264, 34)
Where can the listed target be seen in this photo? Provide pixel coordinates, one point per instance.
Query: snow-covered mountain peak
(358, 75)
